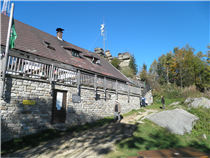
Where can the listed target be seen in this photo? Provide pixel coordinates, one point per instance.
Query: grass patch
(134, 111)
(150, 136)
(202, 126)
(157, 103)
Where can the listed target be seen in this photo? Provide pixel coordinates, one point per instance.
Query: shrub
(190, 91)
(202, 126)
(128, 72)
(171, 91)
(115, 62)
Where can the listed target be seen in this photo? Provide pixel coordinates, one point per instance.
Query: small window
(49, 46)
(75, 53)
(95, 61)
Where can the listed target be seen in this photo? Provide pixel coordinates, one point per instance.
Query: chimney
(59, 33)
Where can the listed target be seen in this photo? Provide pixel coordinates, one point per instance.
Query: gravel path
(89, 144)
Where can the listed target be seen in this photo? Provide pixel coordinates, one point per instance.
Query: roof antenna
(103, 33)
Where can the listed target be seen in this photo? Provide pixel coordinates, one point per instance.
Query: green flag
(13, 35)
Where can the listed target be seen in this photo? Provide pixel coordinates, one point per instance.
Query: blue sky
(145, 29)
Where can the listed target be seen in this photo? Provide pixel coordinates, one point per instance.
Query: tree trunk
(167, 76)
(181, 78)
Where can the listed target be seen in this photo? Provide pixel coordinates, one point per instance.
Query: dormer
(48, 45)
(93, 59)
(74, 52)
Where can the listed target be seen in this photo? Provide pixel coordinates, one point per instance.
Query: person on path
(117, 109)
(163, 101)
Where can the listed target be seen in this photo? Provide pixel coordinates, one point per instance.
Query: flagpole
(6, 51)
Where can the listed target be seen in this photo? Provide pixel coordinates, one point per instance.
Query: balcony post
(78, 81)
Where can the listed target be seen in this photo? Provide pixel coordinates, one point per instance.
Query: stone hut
(51, 83)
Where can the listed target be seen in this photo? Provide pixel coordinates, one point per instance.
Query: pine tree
(133, 65)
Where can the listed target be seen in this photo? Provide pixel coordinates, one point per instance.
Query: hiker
(117, 109)
(143, 103)
(163, 101)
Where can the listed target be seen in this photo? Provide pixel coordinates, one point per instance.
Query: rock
(126, 55)
(198, 102)
(140, 122)
(109, 55)
(124, 63)
(149, 98)
(99, 51)
(204, 136)
(175, 103)
(189, 100)
(177, 121)
(120, 56)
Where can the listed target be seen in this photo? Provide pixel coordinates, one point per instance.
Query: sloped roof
(31, 40)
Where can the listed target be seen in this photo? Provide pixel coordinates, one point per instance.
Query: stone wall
(18, 120)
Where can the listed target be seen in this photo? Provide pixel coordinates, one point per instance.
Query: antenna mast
(103, 33)
(6, 7)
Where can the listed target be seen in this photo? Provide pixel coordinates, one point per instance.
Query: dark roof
(32, 40)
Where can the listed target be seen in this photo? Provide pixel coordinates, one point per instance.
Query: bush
(171, 91)
(190, 91)
(202, 126)
(128, 72)
(115, 62)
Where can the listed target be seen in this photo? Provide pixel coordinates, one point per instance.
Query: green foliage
(153, 67)
(202, 126)
(144, 66)
(133, 65)
(143, 75)
(128, 72)
(115, 62)
(190, 91)
(184, 68)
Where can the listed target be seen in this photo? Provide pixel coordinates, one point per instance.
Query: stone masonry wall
(18, 120)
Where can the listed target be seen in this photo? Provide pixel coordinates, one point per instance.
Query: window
(49, 46)
(75, 53)
(93, 59)
(72, 51)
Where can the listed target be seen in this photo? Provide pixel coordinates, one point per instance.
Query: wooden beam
(116, 90)
(78, 81)
(128, 92)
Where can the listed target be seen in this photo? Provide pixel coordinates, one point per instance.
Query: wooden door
(59, 107)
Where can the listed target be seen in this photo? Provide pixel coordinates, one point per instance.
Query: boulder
(149, 98)
(99, 51)
(120, 56)
(175, 103)
(177, 121)
(198, 102)
(108, 54)
(189, 100)
(124, 63)
(126, 55)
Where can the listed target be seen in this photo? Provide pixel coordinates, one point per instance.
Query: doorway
(59, 107)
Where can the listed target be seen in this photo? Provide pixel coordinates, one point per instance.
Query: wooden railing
(34, 69)
(22, 67)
